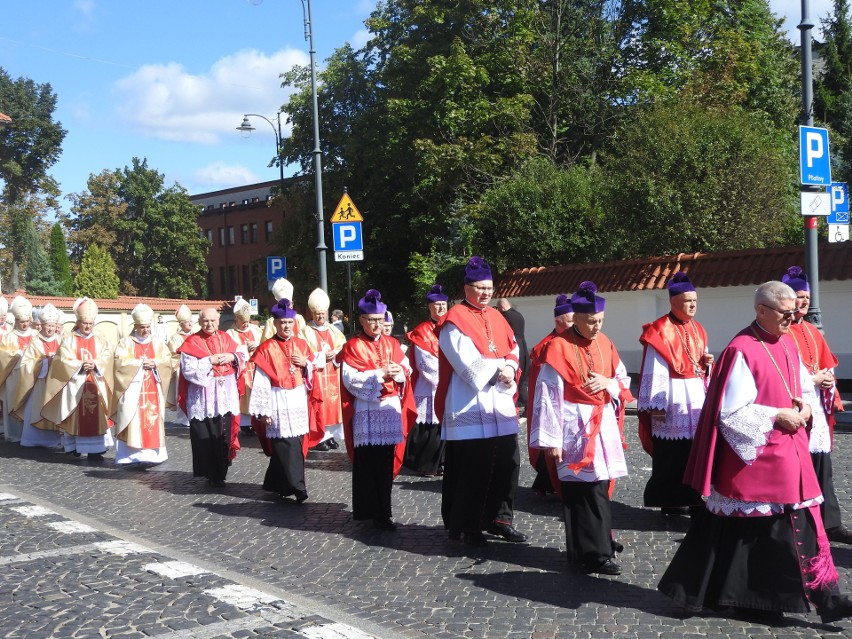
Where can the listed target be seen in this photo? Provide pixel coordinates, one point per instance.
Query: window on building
(232, 279)
(268, 230)
(246, 280)
(221, 236)
(208, 233)
(254, 233)
(210, 288)
(223, 283)
(244, 234)
(245, 201)
(255, 279)
(231, 235)
(255, 199)
(232, 203)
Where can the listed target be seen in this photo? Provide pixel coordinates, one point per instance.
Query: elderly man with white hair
(184, 318)
(211, 363)
(12, 346)
(247, 337)
(34, 366)
(79, 386)
(142, 373)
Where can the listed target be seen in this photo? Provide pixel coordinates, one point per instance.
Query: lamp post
(246, 128)
(321, 247)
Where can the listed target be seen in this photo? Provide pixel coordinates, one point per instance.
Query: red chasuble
(491, 335)
(200, 345)
(274, 357)
(681, 345)
(365, 354)
(815, 354)
(574, 357)
(149, 400)
(88, 420)
(328, 382)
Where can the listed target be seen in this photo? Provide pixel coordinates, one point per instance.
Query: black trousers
(285, 474)
(480, 478)
(830, 508)
(372, 481)
(587, 511)
(665, 487)
(211, 441)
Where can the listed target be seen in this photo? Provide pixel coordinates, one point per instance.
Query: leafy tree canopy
(97, 277)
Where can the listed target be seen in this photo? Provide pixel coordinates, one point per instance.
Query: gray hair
(773, 292)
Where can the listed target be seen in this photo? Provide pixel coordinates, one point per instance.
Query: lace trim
(213, 400)
(820, 438)
(653, 392)
(676, 425)
(747, 429)
(377, 427)
(474, 371)
(426, 409)
(730, 507)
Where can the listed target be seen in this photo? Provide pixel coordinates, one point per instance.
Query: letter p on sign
(813, 147)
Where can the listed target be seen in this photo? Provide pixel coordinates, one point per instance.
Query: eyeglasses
(373, 321)
(784, 314)
(482, 289)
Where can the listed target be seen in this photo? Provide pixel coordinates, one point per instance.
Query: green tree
(835, 76)
(97, 277)
(28, 149)
(38, 276)
(684, 178)
(59, 263)
(542, 215)
(151, 231)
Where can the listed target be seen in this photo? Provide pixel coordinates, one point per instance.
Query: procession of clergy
(741, 445)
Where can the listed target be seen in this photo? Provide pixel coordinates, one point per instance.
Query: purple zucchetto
(371, 303)
(585, 300)
(283, 309)
(563, 305)
(680, 283)
(477, 270)
(796, 279)
(436, 294)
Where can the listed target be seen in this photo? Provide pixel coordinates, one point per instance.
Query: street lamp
(321, 247)
(246, 128)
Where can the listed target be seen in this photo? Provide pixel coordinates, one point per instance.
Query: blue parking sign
(276, 267)
(839, 203)
(814, 161)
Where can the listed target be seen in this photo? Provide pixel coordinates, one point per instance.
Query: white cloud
(85, 7)
(791, 12)
(168, 102)
(360, 39)
(221, 175)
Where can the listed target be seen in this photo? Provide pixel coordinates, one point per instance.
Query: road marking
(42, 554)
(333, 631)
(70, 527)
(242, 597)
(8, 497)
(33, 511)
(121, 547)
(174, 569)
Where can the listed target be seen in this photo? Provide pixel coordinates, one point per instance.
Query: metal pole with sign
(348, 241)
(806, 155)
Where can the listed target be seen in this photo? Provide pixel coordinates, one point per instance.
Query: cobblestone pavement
(90, 550)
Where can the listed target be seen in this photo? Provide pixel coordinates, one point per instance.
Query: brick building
(239, 223)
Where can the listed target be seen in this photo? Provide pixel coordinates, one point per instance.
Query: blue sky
(170, 80)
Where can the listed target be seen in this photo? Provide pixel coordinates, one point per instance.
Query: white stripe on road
(8, 497)
(33, 511)
(242, 597)
(333, 631)
(121, 547)
(174, 569)
(70, 527)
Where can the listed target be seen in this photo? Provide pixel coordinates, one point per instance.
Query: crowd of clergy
(740, 444)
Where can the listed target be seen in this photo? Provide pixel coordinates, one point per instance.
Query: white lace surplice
(377, 421)
(746, 427)
(681, 399)
(288, 407)
(424, 389)
(557, 423)
(207, 396)
(474, 409)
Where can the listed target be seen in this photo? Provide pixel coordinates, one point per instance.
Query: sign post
(348, 240)
(838, 219)
(276, 267)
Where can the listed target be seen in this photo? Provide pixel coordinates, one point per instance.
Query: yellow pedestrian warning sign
(346, 211)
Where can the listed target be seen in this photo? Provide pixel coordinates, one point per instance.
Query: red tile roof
(127, 303)
(706, 270)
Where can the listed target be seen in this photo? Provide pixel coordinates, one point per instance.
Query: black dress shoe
(835, 608)
(606, 567)
(475, 539)
(95, 457)
(384, 524)
(217, 483)
(301, 497)
(322, 447)
(332, 444)
(506, 531)
(841, 534)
